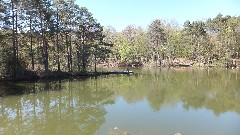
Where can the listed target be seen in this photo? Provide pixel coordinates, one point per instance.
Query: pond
(150, 102)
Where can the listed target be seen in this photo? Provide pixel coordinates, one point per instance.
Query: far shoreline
(32, 76)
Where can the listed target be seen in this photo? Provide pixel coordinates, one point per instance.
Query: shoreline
(55, 75)
(176, 63)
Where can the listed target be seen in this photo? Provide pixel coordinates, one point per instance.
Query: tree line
(58, 35)
(48, 35)
(214, 41)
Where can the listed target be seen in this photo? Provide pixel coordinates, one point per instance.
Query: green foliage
(49, 35)
(131, 44)
(224, 32)
(157, 39)
(6, 61)
(202, 42)
(60, 35)
(8, 65)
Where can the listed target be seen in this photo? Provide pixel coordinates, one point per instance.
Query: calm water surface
(152, 102)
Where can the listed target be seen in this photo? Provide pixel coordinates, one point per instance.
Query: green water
(152, 102)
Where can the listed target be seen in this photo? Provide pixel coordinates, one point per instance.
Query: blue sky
(121, 13)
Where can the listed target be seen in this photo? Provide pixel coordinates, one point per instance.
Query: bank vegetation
(58, 38)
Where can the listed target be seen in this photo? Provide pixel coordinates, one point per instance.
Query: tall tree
(157, 40)
(5, 35)
(69, 6)
(58, 6)
(85, 24)
(110, 37)
(174, 46)
(194, 35)
(44, 15)
(13, 2)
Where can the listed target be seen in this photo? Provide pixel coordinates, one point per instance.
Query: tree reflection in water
(78, 107)
(62, 107)
(214, 89)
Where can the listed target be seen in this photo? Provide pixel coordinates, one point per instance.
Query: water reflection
(216, 90)
(69, 107)
(78, 106)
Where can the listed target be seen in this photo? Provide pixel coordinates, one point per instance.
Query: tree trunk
(31, 42)
(95, 62)
(70, 49)
(44, 46)
(13, 42)
(58, 59)
(45, 53)
(78, 58)
(16, 36)
(83, 52)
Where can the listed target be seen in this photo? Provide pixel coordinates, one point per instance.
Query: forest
(44, 36)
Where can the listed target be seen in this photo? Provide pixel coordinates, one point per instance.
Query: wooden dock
(115, 73)
(94, 74)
